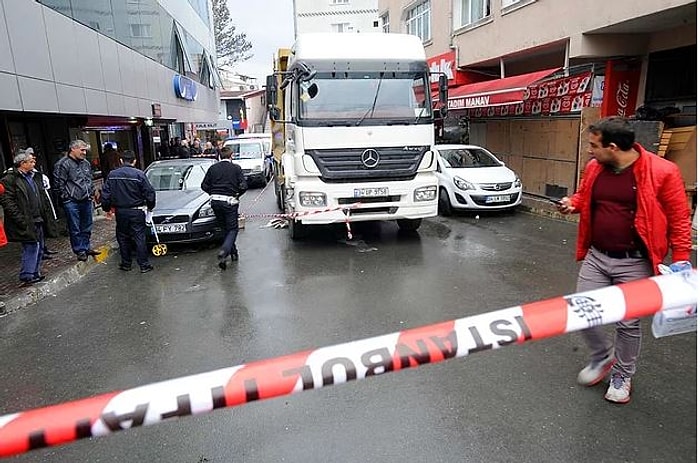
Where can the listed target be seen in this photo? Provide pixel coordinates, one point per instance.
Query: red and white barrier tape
(313, 369)
(295, 215)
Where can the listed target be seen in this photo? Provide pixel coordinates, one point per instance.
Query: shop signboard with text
(558, 96)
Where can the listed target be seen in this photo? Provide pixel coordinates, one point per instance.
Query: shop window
(672, 75)
(418, 21)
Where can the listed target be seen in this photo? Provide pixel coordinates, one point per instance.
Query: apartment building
(130, 72)
(335, 16)
(528, 76)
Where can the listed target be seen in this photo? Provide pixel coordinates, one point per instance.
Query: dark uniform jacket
(21, 203)
(127, 187)
(225, 178)
(73, 179)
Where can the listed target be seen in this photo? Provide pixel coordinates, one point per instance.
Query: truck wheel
(444, 206)
(409, 224)
(297, 230)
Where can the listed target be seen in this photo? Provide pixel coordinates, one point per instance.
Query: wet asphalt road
(114, 331)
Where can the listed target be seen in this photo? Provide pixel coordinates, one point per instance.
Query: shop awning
(498, 92)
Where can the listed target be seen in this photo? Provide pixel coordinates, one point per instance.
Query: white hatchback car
(470, 177)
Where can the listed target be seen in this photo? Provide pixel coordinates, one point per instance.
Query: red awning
(498, 92)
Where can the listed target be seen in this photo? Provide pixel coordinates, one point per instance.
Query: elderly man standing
(27, 215)
(73, 180)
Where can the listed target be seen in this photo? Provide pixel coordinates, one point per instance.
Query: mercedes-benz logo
(370, 158)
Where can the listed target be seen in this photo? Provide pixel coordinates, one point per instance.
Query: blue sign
(185, 87)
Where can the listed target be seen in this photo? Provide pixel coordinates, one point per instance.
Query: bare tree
(231, 48)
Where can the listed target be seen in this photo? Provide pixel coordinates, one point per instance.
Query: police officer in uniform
(128, 191)
(225, 182)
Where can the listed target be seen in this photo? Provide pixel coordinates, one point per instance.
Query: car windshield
(246, 150)
(469, 157)
(166, 177)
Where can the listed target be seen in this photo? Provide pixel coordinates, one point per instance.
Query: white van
(249, 153)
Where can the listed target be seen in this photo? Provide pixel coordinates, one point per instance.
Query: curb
(56, 283)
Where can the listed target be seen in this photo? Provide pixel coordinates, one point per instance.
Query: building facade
(528, 76)
(335, 16)
(131, 72)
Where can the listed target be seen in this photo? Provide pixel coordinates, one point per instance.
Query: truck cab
(352, 123)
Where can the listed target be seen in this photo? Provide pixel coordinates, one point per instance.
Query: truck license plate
(498, 199)
(172, 228)
(371, 192)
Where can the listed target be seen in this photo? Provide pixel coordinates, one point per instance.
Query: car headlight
(463, 184)
(312, 199)
(426, 193)
(517, 183)
(206, 211)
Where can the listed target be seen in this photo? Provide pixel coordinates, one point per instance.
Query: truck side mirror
(271, 97)
(443, 95)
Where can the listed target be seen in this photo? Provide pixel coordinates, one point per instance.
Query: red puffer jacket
(3, 238)
(663, 216)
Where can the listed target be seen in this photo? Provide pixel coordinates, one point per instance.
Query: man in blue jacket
(128, 191)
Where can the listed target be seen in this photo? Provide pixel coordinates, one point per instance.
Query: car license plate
(172, 228)
(371, 192)
(498, 199)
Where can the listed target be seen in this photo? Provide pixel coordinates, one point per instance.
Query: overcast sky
(269, 25)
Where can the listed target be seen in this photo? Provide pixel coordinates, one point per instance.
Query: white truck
(352, 122)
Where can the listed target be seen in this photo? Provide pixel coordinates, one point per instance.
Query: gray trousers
(598, 271)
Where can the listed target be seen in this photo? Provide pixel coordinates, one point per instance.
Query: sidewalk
(61, 271)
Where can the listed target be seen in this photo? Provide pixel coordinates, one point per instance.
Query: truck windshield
(366, 96)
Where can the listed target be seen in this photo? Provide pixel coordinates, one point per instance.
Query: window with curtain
(472, 11)
(418, 21)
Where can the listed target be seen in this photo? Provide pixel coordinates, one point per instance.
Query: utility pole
(294, 12)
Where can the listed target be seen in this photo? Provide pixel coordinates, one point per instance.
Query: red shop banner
(559, 96)
(447, 63)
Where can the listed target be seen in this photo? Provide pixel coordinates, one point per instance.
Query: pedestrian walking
(633, 208)
(73, 180)
(128, 191)
(27, 216)
(225, 182)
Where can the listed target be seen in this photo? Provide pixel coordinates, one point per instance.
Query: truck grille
(345, 165)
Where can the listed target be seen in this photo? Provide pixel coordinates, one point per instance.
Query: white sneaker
(594, 373)
(619, 389)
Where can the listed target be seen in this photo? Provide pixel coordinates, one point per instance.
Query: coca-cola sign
(621, 87)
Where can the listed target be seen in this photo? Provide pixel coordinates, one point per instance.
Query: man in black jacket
(129, 192)
(27, 215)
(225, 182)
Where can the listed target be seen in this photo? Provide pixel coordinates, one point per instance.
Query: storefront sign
(560, 96)
(621, 86)
(446, 63)
(185, 87)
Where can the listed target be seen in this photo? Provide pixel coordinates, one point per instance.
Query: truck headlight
(312, 199)
(463, 184)
(425, 193)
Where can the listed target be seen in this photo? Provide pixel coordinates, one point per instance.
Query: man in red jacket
(633, 208)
